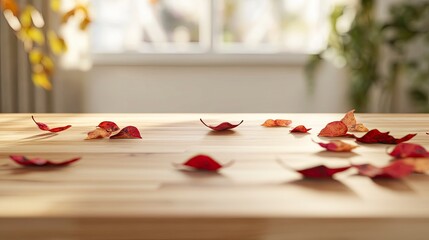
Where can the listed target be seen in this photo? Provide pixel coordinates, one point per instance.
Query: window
(209, 26)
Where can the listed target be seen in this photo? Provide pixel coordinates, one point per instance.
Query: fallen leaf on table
(40, 162)
(223, 126)
(300, 129)
(358, 128)
(45, 127)
(337, 146)
(98, 133)
(129, 132)
(334, 129)
(203, 162)
(321, 171)
(276, 123)
(108, 126)
(396, 169)
(421, 165)
(405, 150)
(375, 136)
(350, 121)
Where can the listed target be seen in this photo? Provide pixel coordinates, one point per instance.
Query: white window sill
(110, 59)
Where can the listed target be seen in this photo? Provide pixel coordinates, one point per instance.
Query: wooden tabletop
(128, 189)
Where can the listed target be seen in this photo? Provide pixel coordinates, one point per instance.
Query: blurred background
(214, 56)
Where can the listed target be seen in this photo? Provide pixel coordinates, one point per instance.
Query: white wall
(187, 88)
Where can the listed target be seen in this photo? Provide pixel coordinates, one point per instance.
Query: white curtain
(17, 93)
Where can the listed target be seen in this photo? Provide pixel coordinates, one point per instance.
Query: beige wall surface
(187, 88)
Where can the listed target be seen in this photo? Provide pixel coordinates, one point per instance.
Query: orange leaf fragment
(98, 133)
(277, 123)
(350, 121)
(358, 128)
(421, 165)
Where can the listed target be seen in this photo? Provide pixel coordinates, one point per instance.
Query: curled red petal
(204, 162)
(334, 129)
(223, 126)
(45, 127)
(40, 162)
(321, 171)
(108, 126)
(300, 129)
(129, 132)
(397, 169)
(375, 136)
(406, 150)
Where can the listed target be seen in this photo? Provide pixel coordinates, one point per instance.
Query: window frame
(209, 57)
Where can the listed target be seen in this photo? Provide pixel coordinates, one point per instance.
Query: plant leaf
(203, 162)
(396, 169)
(334, 129)
(98, 133)
(223, 126)
(350, 121)
(409, 150)
(129, 132)
(40, 162)
(358, 128)
(375, 136)
(300, 129)
(108, 126)
(321, 171)
(45, 127)
(276, 123)
(421, 165)
(337, 146)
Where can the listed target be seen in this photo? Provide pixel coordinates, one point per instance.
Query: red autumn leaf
(276, 123)
(300, 129)
(406, 150)
(334, 129)
(108, 126)
(321, 171)
(129, 132)
(40, 162)
(223, 126)
(397, 169)
(204, 162)
(337, 146)
(45, 127)
(375, 136)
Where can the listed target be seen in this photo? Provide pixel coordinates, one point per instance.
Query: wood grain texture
(128, 189)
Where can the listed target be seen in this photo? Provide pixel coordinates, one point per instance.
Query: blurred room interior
(231, 56)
